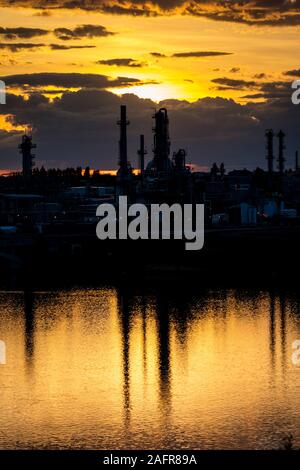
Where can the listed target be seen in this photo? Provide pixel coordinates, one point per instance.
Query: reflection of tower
(25, 149)
(161, 141)
(124, 313)
(181, 313)
(278, 330)
(144, 330)
(163, 323)
(281, 159)
(272, 340)
(282, 303)
(269, 147)
(29, 326)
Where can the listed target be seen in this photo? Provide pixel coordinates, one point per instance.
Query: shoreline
(232, 256)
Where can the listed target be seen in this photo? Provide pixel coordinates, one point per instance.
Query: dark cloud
(22, 33)
(142, 9)
(63, 47)
(279, 89)
(80, 128)
(122, 62)
(249, 12)
(260, 76)
(254, 96)
(273, 13)
(83, 31)
(235, 70)
(233, 84)
(266, 90)
(293, 73)
(192, 54)
(200, 54)
(69, 80)
(157, 54)
(43, 13)
(16, 47)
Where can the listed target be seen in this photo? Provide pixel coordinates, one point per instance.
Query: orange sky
(244, 51)
(254, 50)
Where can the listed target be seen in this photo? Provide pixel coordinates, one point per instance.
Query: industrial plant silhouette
(49, 215)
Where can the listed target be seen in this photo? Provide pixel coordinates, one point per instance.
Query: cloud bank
(250, 12)
(80, 127)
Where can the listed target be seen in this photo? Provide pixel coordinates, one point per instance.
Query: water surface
(108, 368)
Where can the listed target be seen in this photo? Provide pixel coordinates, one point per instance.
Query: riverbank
(232, 256)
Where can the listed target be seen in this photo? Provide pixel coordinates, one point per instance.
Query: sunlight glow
(154, 92)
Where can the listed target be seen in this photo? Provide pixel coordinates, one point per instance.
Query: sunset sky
(225, 68)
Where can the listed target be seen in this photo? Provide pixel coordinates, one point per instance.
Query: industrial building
(239, 197)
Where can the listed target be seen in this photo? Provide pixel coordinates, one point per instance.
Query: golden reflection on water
(108, 368)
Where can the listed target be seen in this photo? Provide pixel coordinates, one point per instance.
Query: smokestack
(270, 150)
(161, 140)
(123, 123)
(281, 159)
(142, 152)
(296, 161)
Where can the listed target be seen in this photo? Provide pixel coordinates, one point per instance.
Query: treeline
(52, 180)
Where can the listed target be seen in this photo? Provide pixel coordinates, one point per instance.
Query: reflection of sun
(154, 92)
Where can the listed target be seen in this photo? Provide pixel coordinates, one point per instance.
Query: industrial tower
(124, 175)
(27, 156)
(124, 166)
(161, 148)
(141, 153)
(270, 149)
(281, 159)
